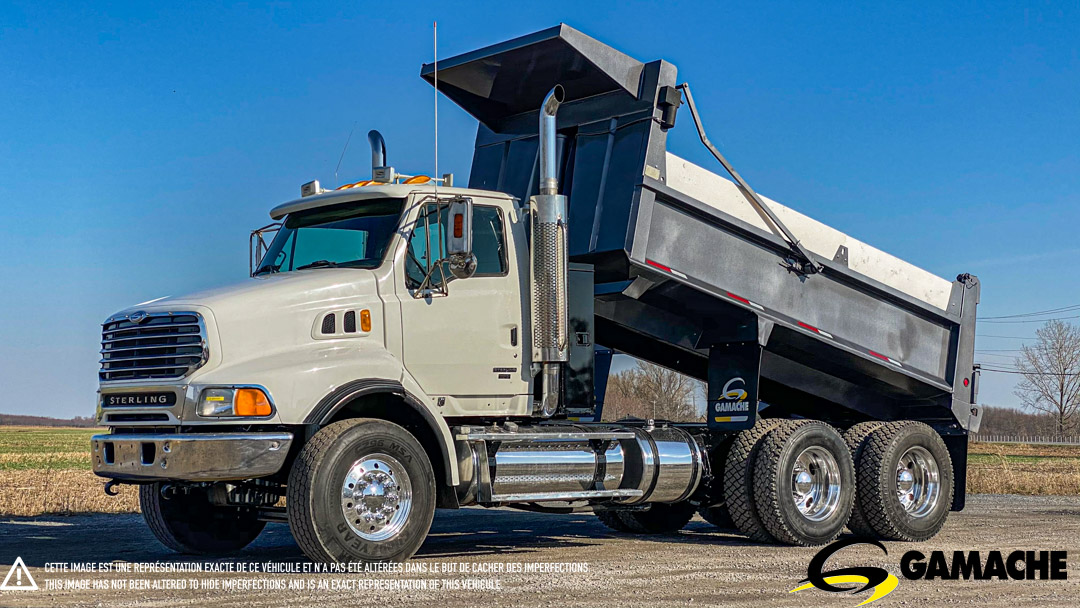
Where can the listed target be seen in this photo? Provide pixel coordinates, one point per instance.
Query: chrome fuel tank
(633, 465)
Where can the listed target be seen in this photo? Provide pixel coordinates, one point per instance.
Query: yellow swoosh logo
(880, 591)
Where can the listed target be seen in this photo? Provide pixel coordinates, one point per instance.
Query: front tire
(187, 522)
(361, 490)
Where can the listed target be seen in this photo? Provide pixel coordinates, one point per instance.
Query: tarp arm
(802, 263)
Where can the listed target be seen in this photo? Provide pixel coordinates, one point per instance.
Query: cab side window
(489, 241)
(427, 247)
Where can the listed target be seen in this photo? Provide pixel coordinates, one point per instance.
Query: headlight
(248, 401)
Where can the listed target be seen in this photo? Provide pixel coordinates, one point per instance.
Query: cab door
(463, 339)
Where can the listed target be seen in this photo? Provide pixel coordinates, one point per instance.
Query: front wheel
(184, 520)
(361, 490)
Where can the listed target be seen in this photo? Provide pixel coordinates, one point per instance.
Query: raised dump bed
(689, 274)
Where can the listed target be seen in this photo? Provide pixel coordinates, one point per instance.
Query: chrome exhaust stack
(549, 264)
(549, 171)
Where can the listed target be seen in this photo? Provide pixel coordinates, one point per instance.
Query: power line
(1033, 320)
(1038, 313)
(1006, 337)
(1016, 371)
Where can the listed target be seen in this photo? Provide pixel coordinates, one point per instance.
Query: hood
(266, 314)
(314, 289)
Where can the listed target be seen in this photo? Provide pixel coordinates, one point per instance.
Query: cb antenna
(343, 150)
(435, 41)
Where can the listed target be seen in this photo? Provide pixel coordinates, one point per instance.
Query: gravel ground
(701, 566)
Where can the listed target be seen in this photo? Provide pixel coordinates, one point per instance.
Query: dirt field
(999, 468)
(47, 470)
(701, 566)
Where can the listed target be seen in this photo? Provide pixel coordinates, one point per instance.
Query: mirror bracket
(258, 245)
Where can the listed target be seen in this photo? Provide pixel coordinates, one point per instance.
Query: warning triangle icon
(18, 578)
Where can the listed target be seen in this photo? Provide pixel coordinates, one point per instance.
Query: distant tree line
(1010, 421)
(23, 420)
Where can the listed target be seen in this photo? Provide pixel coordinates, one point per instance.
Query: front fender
(297, 378)
(348, 392)
(309, 385)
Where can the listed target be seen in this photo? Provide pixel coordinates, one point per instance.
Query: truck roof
(334, 197)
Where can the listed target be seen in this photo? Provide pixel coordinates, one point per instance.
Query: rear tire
(361, 490)
(717, 516)
(187, 522)
(855, 438)
(739, 480)
(612, 520)
(659, 519)
(804, 483)
(905, 481)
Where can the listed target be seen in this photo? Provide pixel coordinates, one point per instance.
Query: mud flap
(734, 369)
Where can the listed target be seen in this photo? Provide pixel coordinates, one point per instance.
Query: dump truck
(403, 344)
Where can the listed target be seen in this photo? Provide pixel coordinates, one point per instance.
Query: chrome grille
(160, 345)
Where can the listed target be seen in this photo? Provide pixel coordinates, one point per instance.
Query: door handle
(513, 336)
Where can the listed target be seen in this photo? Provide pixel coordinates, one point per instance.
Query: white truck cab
(347, 292)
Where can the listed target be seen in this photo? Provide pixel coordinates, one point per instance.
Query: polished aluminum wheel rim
(815, 484)
(376, 497)
(918, 484)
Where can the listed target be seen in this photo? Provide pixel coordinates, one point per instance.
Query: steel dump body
(684, 269)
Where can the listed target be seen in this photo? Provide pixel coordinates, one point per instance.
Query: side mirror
(459, 253)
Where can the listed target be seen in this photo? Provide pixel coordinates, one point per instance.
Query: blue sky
(140, 142)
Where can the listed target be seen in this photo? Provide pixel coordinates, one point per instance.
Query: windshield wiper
(268, 269)
(319, 264)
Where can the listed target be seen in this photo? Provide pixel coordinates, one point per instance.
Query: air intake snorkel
(378, 150)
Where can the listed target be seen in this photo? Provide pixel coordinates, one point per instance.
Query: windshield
(352, 235)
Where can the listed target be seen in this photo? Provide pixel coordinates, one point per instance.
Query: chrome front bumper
(190, 457)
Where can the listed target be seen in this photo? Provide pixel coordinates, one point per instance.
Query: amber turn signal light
(251, 402)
